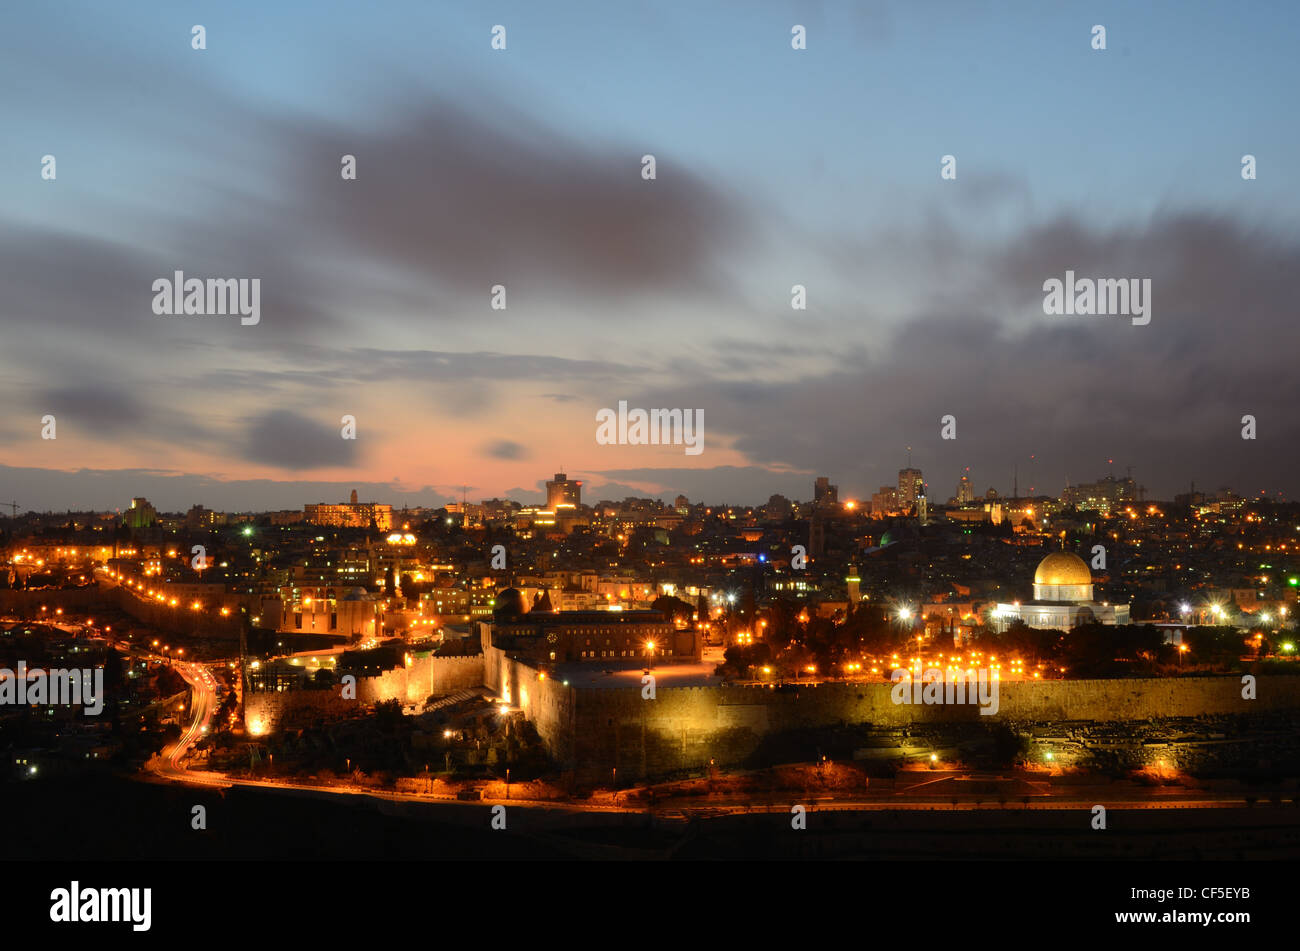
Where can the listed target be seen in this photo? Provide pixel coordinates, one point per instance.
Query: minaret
(854, 584)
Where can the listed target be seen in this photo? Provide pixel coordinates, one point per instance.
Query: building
(1063, 598)
(141, 514)
(910, 487)
(965, 491)
(631, 637)
(825, 494)
(1104, 495)
(199, 518)
(885, 501)
(351, 514)
(324, 609)
(563, 492)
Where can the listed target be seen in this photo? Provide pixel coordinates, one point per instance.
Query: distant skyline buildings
(204, 499)
(510, 167)
(965, 490)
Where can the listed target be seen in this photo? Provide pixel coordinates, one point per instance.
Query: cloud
(473, 198)
(1073, 391)
(95, 407)
(505, 449)
(292, 441)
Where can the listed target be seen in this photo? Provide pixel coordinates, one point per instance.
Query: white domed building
(1062, 598)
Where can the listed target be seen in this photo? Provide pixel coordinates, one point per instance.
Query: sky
(522, 167)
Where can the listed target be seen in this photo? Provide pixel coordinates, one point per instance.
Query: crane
(13, 508)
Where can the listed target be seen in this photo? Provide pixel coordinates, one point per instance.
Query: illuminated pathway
(203, 704)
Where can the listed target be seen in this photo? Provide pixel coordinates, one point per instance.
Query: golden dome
(1062, 568)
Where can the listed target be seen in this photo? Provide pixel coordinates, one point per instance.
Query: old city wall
(547, 703)
(92, 598)
(29, 603)
(685, 728)
(427, 676)
(592, 730)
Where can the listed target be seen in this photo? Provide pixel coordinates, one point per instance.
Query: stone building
(545, 636)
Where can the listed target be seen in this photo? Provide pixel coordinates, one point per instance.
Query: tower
(854, 584)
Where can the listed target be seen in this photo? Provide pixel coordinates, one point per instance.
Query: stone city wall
(687, 727)
(268, 710)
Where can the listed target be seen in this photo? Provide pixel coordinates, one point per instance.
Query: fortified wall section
(689, 727)
(266, 710)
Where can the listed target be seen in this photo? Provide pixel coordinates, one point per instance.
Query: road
(203, 705)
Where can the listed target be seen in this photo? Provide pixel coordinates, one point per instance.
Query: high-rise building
(910, 487)
(824, 493)
(965, 490)
(563, 492)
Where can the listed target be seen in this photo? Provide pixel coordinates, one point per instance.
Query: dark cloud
(292, 441)
(470, 199)
(505, 449)
(1166, 398)
(95, 408)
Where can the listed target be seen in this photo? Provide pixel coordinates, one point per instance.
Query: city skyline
(478, 167)
(179, 494)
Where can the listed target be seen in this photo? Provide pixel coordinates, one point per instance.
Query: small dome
(356, 594)
(510, 601)
(1063, 568)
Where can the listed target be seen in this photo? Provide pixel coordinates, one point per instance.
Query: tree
(388, 714)
(673, 607)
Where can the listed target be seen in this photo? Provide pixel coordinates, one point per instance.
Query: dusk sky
(522, 167)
